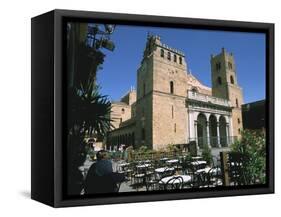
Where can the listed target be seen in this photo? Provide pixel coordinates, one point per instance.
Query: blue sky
(119, 71)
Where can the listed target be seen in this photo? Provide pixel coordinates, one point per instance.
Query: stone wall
(156, 113)
(119, 112)
(169, 121)
(228, 88)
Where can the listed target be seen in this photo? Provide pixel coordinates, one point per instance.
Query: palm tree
(88, 113)
(87, 110)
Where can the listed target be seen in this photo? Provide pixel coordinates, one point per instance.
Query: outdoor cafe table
(120, 167)
(198, 162)
(164, 169)
(123, 164)
(147, 161)
(196, 158)
(143, 166)
(209, 170)
(172, 161)
(186, 179)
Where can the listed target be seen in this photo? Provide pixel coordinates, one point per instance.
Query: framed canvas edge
(268, 28)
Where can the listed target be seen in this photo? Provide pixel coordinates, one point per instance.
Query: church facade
(171, 106)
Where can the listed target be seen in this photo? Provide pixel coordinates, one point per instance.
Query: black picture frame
(47, 108)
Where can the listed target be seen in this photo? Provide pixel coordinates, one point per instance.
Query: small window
(175, 58)
(123, 111)
(180, 60)
(219, 81)
(169, 56)
(175, 128)
(237, 105)
(229, 65)
(238, 120)
(171, 87)
(218, 66)
(239, 130)
(194, 90)
(162, 53)
(231, 79)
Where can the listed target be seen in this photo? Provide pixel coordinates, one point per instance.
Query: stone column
(218, 134)
(208, 134)
(227, 134)
(195, 134)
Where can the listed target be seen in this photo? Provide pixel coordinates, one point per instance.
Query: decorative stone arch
(169, 55)
(231, 79)
(194, 89)
(180, 60)
(162, 53)
(213, 130)
(201, 130)
(175, 58)
(223, 131)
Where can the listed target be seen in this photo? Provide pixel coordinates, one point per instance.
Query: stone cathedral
(170, 106)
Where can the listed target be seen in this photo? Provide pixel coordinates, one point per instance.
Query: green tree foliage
(207, 154)
(253, 145)
(88, 111)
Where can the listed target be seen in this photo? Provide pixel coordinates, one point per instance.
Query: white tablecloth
(143, 165)
(199, 162)
(186, 179)
(164, 169)
(209, 170)
(172, 161)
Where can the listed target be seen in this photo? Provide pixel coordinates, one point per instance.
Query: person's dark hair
(102, 154)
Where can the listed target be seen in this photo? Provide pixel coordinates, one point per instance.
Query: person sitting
(100, 177)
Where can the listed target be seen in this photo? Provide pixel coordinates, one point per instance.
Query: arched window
(171, 87)
(175, 58)
(219, 80)
(238, 120)
(194, 90)
(123, 110)
(229, 65)
(237, 105)
(162, 53)
(175, 128)
(180, 60)
(231, 79)
(218, 66)
(169, 56)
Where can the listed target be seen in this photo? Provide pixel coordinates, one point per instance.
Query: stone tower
(161, 93)
(225, 85)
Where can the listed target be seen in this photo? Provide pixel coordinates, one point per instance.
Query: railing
(207, 98)
(214, 141)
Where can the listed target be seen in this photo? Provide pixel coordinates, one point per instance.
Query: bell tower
(225, 85)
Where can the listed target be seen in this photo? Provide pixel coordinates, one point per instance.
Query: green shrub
(207, 154)
(252, 144)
